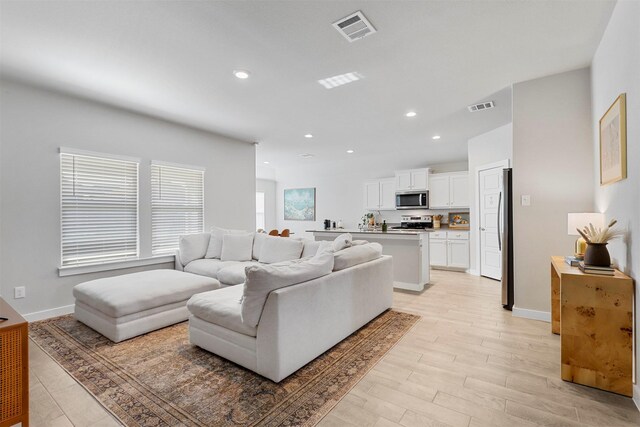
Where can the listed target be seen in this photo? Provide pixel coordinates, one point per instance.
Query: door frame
(506, 163)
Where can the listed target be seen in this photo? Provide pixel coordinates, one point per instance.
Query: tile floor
(467, 362)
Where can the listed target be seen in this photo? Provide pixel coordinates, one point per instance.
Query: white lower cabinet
(438, 252)
(449, 249)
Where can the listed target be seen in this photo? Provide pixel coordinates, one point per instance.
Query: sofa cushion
(130, 293)
(221, 307)
(258, 240)
(262, 279)
(207, 267)
(342, 241)
(193, 246)
(278, 249)
(234, 274)
(311, 247)
(237, 247)
(355, 255)
(214, 249)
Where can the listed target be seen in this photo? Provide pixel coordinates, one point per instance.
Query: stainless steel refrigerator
(505, 238)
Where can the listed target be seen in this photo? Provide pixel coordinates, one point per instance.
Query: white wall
(268, 187)
(490, 147)
(35, 123)
(552, 158)
(615, 70)
(340, 188)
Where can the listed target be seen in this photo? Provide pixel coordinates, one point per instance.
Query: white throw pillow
(215, 243)
(312, 247)
(192, 247)
(356, 255)
(237, 247)
(342, 241)
(278, 249)
(258, 240)
(262, 279)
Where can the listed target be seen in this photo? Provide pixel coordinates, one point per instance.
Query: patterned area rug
(159, 379)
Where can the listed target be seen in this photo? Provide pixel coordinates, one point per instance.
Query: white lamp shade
(581, 220)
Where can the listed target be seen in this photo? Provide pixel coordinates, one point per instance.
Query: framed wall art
(613, 142)
(300, 204)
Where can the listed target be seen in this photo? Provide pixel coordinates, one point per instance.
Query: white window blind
(177, 205)
(99, 209)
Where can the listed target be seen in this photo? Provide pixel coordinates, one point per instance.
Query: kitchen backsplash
(393, 217)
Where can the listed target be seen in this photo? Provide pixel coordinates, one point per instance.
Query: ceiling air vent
(481, 106)
(354, 26)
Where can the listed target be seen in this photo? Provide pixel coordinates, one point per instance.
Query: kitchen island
(409, 249)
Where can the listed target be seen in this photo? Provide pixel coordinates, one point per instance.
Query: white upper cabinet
(439, 191)
(380, 194)
(372, 195)
(459, 191)
(449, 190)
(412, 180)
(388, 194)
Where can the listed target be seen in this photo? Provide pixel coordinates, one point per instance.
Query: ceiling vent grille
(481, 106)
(354, 27)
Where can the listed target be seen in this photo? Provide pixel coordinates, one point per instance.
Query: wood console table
(14, 368)
(594, 316)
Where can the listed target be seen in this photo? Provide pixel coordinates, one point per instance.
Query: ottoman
(126, 306)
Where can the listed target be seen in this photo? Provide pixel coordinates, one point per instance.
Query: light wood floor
(467, 362)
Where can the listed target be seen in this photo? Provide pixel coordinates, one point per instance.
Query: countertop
(390, 231)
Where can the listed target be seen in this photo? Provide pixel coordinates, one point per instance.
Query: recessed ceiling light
(435, 137)
(266, 163)
(350, 151)
(308, 135)
(411, 114)
(339, 80)
(241, 74)
(307, 155)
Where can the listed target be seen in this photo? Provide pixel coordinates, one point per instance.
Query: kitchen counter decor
(459, 220)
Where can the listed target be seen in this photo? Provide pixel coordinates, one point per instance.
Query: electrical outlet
(525, 200)
(19, 292)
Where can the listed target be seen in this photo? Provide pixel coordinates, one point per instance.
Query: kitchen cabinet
(380, 194)
(449, 249)
(449, 190)
(412, 180)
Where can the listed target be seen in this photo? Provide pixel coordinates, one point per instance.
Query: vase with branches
(597, 239)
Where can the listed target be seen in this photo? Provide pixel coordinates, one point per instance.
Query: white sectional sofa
(293, 301)
(288, 313)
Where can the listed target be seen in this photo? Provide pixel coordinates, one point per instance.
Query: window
(98, 208)
(259, 211)
(177, 205)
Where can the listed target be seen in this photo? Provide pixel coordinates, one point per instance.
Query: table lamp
(579, 221)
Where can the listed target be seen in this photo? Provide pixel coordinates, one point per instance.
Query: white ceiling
(174, 59)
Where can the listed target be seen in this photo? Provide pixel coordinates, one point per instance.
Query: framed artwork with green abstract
(300, 204)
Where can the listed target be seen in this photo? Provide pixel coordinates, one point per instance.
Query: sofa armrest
(178, 264)
(301, 322)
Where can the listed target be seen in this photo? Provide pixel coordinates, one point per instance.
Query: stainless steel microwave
(412, 200)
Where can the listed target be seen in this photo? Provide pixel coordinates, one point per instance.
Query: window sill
(118, 265)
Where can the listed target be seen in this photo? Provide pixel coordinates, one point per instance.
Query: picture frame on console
(613, 142)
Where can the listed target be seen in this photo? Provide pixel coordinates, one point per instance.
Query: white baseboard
(47, 314)
(545, 316)
(636, 395)
(474, 272)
